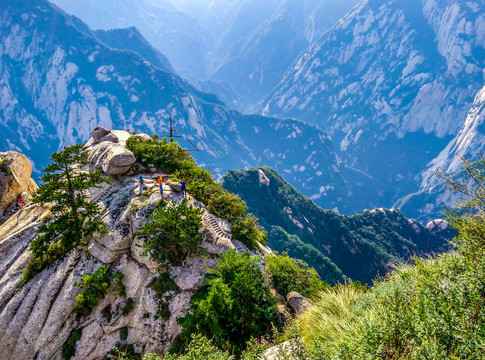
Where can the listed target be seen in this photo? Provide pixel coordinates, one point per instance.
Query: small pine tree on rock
(74, 216)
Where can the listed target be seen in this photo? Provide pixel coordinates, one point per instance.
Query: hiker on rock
(20, 203)
(141, 181)
(160, 183)
(183, 188)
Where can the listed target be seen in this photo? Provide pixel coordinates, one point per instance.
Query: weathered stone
(39, 318)
(101, 134)
(15, 180)
(297, 302)
(113, 159)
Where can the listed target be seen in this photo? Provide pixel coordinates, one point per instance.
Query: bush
(431, 310)
(95, 287)
(248, 231)
(173, 233)
(69, 347)
(162, 154)
(123, 352)
(226, 205)
(289, 274)
(201, 348)
(235, 304)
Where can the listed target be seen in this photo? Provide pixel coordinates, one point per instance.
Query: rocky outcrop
(107, 151)
(38, 318)
(297, 302)
(15, 180)
(101, 134)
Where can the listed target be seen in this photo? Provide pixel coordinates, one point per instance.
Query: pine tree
(74, 216)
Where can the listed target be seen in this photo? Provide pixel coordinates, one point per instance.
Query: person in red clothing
(20, 203)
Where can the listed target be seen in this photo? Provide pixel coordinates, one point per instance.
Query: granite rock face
(15, 180)
(38, 319)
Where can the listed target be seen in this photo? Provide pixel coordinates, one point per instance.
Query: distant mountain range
(246, 45)
(59, 79)
(359, 247)
(394, 84)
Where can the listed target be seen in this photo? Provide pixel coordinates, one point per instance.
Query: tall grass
(431, 310)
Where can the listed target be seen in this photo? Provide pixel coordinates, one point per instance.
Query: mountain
(131, 39)
(392, 83)
(359, 247)
(254, 61)
(56, 86)
(174, 33)
(247, 44)
(108, 294)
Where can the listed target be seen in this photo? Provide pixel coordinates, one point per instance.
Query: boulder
(15, 180)
(101, 134)
(112, 158)
(297, 302)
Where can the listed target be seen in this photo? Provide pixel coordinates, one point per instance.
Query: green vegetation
(201, 348)
(95, 287)
(289, 274)
(122, 352)
(173, 233)
(4, 166)
(69, 347)
(123, 333)
(128, 307)
(163, 284)
(235, 304)
(74, 217)
(359, 247)
(433, 309)
(173, 159)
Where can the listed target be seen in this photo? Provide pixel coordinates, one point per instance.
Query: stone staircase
(103, 195)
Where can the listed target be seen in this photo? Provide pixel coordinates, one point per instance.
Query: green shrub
(173, 233)
(122, 352)
(235, 304)
(289, 274)
(226, 205)
(162, 154)
(4, 166)
(123, 333)
(95, 287)
(201, 348)
(69, 347)
(248, 231)
(128, 307)
(433, 309)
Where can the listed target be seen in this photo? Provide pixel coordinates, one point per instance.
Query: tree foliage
(74, 216)
(234, 305)
(95, 286)
(173, 233)
(289, 274)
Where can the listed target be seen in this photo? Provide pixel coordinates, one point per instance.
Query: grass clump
(289, 274)
(173, 233)
(200, 184)
(235, 304)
